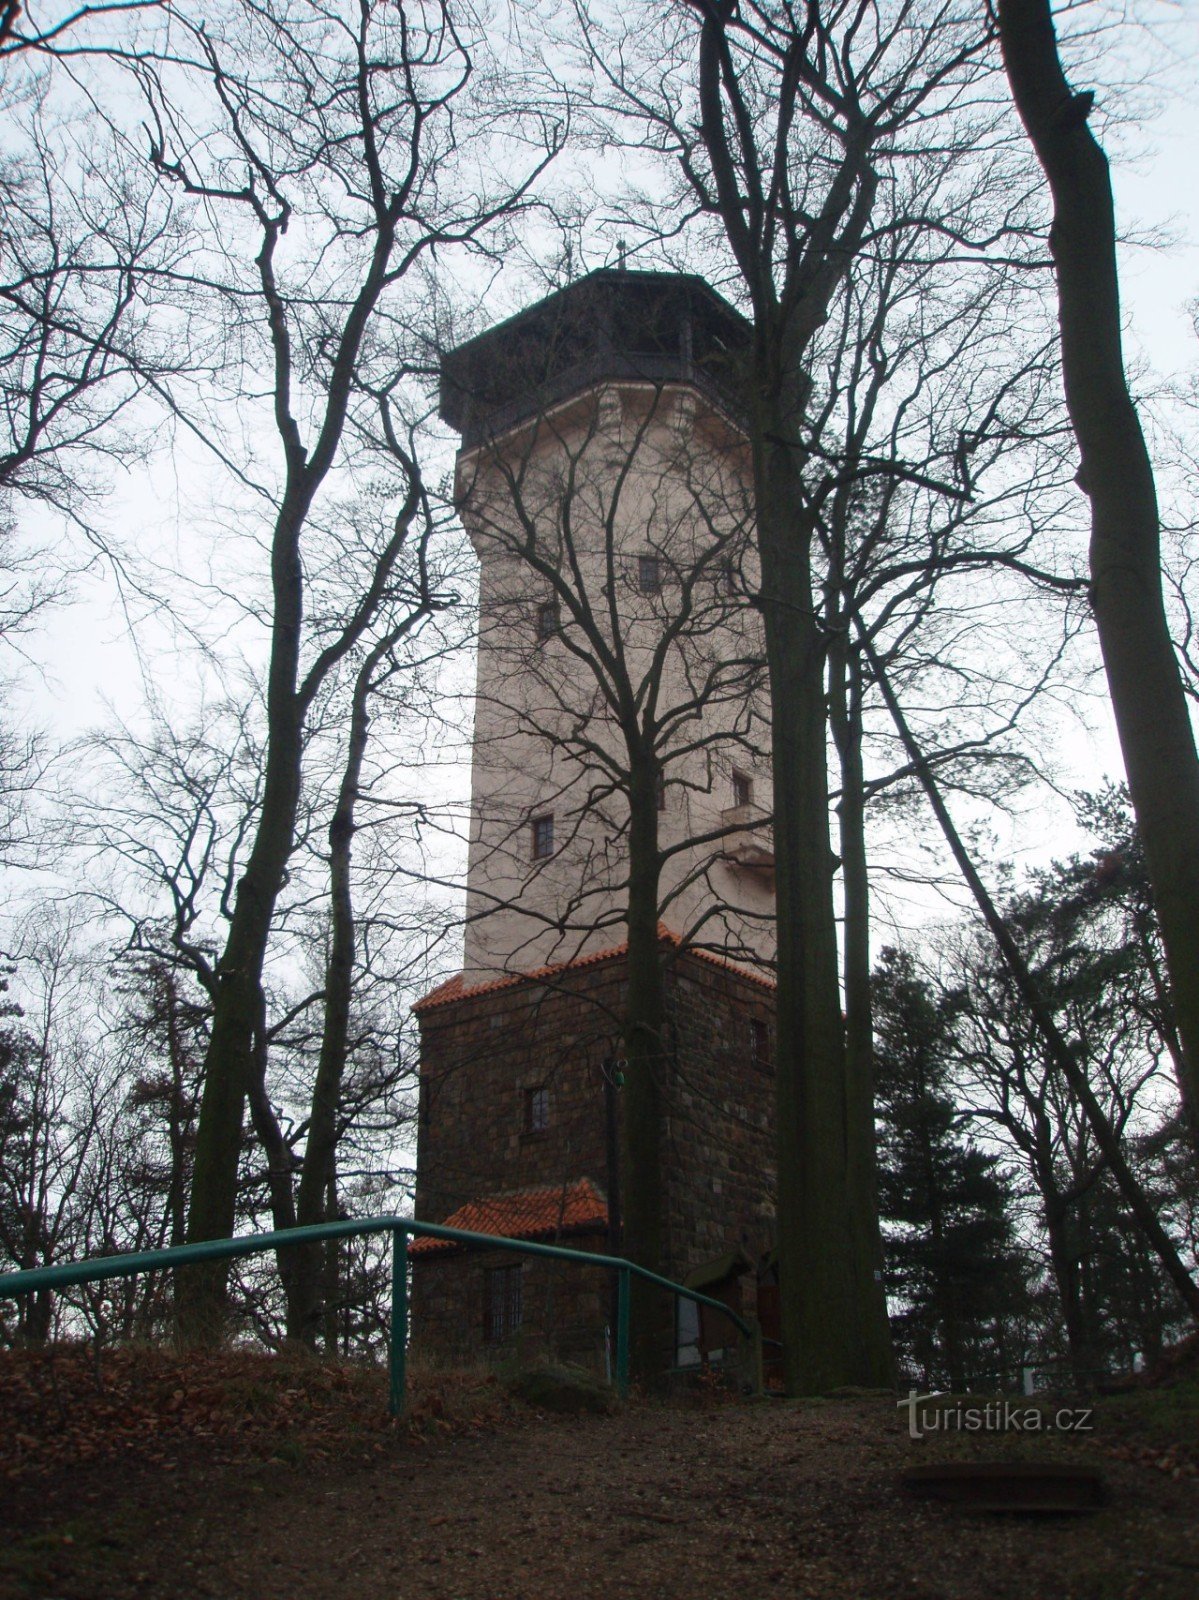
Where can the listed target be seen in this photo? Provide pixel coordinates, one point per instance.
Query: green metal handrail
(96, 1270)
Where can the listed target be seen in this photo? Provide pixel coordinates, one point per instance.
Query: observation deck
(611, 326)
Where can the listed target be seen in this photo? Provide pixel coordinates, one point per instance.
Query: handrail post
(622, 1333)
(398, 1347)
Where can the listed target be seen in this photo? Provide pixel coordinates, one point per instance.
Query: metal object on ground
(1036, 1487)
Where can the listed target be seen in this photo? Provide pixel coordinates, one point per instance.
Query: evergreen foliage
(952, 1265)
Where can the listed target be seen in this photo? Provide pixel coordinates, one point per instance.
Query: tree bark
(229, 1061)
(832, 1332)
(845, 720)
(304, 1310)
(1116, 474)
(641, 1098)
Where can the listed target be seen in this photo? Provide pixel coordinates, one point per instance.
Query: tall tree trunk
(1146, 692)
(643, 1211)
(831, 1327)
(845, 719)
(178, 1111)
(1063, 1258)
(229, 1061)
(304, 1312)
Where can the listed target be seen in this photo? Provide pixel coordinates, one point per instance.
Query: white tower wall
(614, 537)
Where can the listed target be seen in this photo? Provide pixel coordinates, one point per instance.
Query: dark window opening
(537, 1109)
(759, 1043)
(543, 838)
(660, 791)
(649, 574)
(743, 790)
(422, 1104)
(547, 620)
(728, 578)
(503, 1309)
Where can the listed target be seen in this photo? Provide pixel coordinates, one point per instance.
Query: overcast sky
(85, 652)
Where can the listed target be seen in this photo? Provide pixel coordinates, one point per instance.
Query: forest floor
(245, 1476)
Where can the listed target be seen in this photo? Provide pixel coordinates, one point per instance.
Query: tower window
(503, 1309)
(543, 838)
(759, 1043)
(743, 790)
(728, 578)
(649, 574)
(547, 620)
(660, 791)
(537, 1109)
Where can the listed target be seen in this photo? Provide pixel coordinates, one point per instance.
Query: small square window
(743, 790)
(537, 1109)
(547, 620)
(503, 1303)
(759, 1043)
(649, 574)
(543, 838)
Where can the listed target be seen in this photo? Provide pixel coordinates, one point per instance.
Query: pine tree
(946, 1205)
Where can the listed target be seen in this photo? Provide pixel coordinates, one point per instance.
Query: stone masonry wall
(482, 1052)
(719, 1139)
(565, 1305)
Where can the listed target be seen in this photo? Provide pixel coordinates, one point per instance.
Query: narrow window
(503, 1311)
(543, 838)
(547, 620)
(759, 1043)
(649, 574)
(728, 578)
(743, 790)
(660, 791)
(422, 1104)
(537, 1109)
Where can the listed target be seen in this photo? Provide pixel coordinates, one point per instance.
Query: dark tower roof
(651, 327)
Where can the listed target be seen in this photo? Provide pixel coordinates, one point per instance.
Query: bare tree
(259, 121)
(793, 130)
(1116, 474)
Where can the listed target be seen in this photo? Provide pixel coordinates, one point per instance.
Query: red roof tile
(455, 989)
(525, 1214)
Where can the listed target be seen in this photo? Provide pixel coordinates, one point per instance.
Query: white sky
(85, 656)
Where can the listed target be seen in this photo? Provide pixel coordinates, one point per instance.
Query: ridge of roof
(455, 989)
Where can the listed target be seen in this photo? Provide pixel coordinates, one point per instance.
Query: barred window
(503, 1308)
(743, 789)
(547, 620)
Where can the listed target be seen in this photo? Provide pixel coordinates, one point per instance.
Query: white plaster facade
(617, 570)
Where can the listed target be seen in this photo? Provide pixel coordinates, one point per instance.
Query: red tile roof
(455, 989)
(525, 1214)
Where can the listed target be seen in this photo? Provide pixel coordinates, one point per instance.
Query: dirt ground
(254, 1488)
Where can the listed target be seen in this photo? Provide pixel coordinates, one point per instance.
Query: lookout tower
(603, 482)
